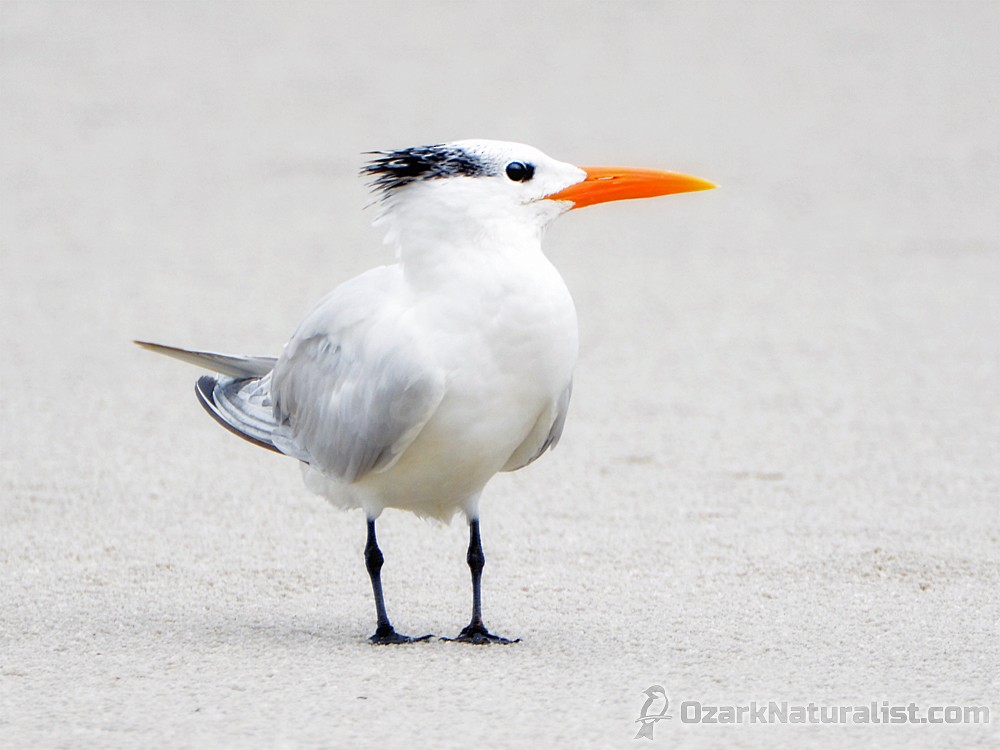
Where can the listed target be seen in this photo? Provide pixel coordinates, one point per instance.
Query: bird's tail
(241, 402)
(234, 365)
(646, 730)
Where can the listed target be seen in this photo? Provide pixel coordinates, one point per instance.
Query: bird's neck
(438, 249)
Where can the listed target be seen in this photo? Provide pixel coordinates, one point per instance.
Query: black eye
(520, 172)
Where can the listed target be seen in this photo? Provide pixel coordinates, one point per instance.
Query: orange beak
(604, 184)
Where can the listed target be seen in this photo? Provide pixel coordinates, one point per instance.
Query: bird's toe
(387, 635)
(478, 634)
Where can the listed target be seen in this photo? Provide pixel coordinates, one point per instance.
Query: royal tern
(412, 384)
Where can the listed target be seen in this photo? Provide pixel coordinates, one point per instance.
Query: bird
(647, 718)
(411, 385)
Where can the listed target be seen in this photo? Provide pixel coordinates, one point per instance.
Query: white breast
(507, 347)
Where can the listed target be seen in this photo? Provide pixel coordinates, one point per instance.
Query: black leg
(476, 560)
(475, 631)
(384, 632)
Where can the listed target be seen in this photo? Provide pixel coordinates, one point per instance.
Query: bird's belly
(469, 439)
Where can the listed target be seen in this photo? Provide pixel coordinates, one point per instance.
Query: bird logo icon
(652, 710)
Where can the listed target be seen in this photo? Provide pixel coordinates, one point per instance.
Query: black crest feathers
(390, 170)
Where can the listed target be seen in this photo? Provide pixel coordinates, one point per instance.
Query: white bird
(412, 384)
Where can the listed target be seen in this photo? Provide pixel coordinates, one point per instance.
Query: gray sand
(779, 478)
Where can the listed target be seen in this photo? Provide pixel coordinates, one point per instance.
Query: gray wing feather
(242, 406)
(562, 409)
(558, 417)
(353, 389)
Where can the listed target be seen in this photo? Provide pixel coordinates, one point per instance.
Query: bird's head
(489, 186)
(655, 691)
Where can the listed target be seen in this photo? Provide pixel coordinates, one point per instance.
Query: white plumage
(413, 384)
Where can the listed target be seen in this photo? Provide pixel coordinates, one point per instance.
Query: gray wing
(243, 406)
(354, 388)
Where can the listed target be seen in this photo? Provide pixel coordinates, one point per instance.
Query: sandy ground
(779, 479)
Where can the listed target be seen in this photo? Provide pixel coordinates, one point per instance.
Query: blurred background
(778, 478)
